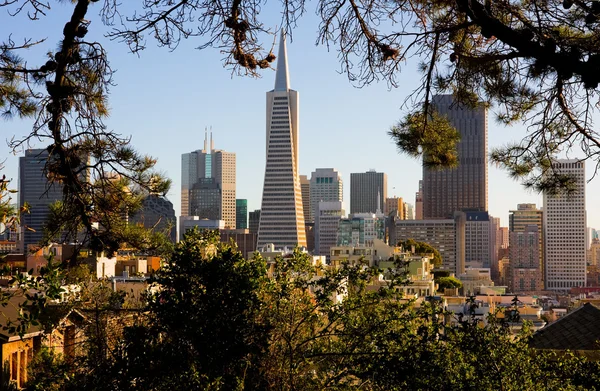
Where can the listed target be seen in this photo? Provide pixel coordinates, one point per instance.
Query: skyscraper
(305, 189)
(157, 213)
(282, 215)
(325, 185)
(35, 189)
(464, 187)
(241, 214)
(564, 230)
(208, 184)
(368, 191)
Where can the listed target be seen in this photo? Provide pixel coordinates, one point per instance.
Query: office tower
(253, 221)
(282, 215)
(305, 189)
(419, 202)
(360, 229)
(394, 205)
(327, 222)
(445, 235)
(157, 213)
(35, 190)
(325, 185)
(564, 230)
(463, 187)
(368, 191)
(477, 240)
(208, 184)
(241, 213)
(523, 217)
(524, 265)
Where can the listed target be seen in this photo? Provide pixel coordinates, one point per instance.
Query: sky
(164, 100)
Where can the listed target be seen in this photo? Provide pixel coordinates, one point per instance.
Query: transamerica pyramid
(281, 214)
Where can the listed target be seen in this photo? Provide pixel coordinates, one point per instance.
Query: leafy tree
(422, 248)
(448, 282)
(101, 175)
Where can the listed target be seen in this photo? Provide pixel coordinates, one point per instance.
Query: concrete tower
(282, 214)
(464, 187)
(564, 231)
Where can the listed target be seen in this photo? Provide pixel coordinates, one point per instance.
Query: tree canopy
(422, 248)
(221, 322)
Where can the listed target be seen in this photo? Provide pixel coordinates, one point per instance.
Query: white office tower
(325, 185)
(564, 230)
(327, 222)
(281, 212)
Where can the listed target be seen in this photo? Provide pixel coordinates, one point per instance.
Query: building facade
(361, 229)
(35, 190)
(477, 240)
(524, 265)
(208, 178)
(525, 216)
(327, 223)
(445, 235)
(157, 213)
(253, 221)
(282, 213)
(564, 230)
(419, 202)
(241, 213)
(368, 191)
(395, 205)
(325, 185)
(464, 187)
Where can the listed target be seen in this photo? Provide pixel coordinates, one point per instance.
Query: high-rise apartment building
(327, 222)
(208, 184)
(35, 190)
(157, 213)
(241, 213)
(464, 187)
(495, 248)
(525, 216)
(564, 230)
(281, 213)
(368, 191)
(325, 185)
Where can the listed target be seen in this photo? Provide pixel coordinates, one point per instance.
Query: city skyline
(337, 119)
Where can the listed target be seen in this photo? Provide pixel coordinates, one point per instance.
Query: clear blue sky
(164, 100)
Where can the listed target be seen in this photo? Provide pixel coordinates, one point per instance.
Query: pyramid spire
(282, 78)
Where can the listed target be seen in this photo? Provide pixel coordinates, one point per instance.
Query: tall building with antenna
(208, 184)
(281, 213)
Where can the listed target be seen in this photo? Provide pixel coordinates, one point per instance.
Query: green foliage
(430, 136)
(422, 248)
(448, 282)
(48, 371)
